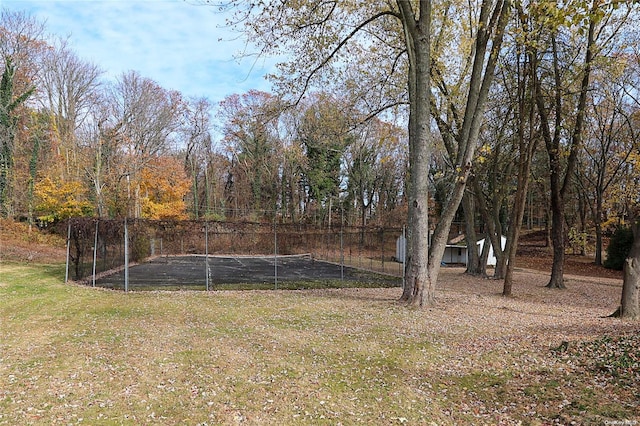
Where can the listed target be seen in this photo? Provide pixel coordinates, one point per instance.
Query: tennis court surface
(192, 272)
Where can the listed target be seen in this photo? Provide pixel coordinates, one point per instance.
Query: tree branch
(331, 55)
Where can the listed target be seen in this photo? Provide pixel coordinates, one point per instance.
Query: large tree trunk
(493, 233)
(474, 267)
(421, 277)
(481, 78)
(527, 150)
(517, 214)
(630, 302)
(419, 289)
(560, 184)
(557, 237)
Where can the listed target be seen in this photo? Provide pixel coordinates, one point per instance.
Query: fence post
(275, 251)
(126, 256)
(95, 255)
(66, 269)
(382, 247)
(206, 254)
(404, 255)
(342, 245)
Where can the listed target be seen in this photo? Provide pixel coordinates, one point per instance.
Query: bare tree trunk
(493, 229)
(524, 167)
(557, 237)
(419, 289)
(517, 214)
(422, 277)
(527, 144)
(630, 301)
(484, 255)
(547, 228)
(474, 267)
(498, 252)
(480, 81)
(560, 184)
(598, 226)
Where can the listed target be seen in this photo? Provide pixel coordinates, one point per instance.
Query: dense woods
(533, 120)
(77, 144)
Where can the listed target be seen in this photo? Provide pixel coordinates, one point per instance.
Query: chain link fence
(97, 246)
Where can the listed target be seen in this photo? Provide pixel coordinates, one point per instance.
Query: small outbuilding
(454, 253)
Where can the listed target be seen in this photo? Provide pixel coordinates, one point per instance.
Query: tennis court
(220, 272)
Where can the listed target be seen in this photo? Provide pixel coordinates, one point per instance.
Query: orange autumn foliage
(163, 187)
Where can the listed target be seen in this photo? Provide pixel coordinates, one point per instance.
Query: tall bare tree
(611, 139)
(374, 166)
(326, 41)
(565, 58)
(250, 137)
(146, 118)
(196, 130)
(526, 142)
(70, 87)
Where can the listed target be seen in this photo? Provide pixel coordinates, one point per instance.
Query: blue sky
(179, 44)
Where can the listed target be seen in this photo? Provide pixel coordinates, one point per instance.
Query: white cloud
(173, 42)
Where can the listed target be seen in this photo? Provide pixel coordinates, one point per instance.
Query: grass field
(76, 355)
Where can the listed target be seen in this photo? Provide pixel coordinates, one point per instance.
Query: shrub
(140, 247)
(618, 249)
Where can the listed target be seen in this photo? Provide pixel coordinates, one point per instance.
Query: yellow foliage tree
(164, 185)
(57, 200)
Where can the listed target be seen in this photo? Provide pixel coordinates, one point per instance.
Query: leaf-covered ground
(19, 242)
(76, 355)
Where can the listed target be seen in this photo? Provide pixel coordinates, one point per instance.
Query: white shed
(453, 253)
(491, 260)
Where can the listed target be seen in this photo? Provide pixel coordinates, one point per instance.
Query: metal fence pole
(126, 256)
(373, 247)
(95, 255)
(342, 244)
(66, 269)
(382, 247)
(206, 254)
(404, 255)
(275, 251)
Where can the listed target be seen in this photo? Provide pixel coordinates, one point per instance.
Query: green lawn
(71, 354)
